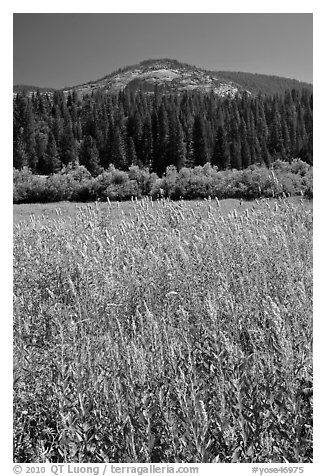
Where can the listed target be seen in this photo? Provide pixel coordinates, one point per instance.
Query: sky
(59, 50)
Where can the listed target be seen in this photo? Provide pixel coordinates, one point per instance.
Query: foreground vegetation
(175, 334)
(116, 210)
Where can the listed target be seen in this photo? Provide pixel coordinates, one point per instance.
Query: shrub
(300, 167)
(76, 183)
(144, 179)
(124, 191)
(28, 187)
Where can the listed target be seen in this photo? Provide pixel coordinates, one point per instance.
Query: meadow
(163, 331)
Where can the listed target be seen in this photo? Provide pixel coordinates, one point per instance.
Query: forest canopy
(154, 131)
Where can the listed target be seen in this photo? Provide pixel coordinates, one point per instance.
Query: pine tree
(88, 155)
(286, 139)
(68, 146)
(53, 162)
(199, 141)
(147, 144)
(266, 157)
(262, 128)
(131, 152)
(276, 144)
(40, 107)
(161, 141)
(245, 149)
(256, 152)
(118, 153)
(31, 152)
(20, 158)
(57, 124)
(177, 146)
(155, 137)
(221, 155)
(235, 152)
(41, 144)
(29, 137)
(78, 130)
(135, 130)
(253, 142)
(245, 154)
(301, 134)
(308, 156)
(163, 135)
(106, 155)
(60, 101)
(293, 134)
(186, 121)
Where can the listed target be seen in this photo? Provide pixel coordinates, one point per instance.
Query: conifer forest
(157, 130)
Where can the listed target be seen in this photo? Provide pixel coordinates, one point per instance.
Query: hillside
(170, 75)
(28, 90)
(263, 83)
(175, 77)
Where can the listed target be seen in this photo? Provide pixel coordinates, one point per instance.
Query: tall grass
(176, 334)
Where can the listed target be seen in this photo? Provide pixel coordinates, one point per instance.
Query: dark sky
(58, 50)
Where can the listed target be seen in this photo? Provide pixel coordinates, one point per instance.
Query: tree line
(154, 131)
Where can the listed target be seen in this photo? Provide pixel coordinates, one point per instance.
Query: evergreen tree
(221, 156)
(135, 130)
(161, 141)
(60, 101)
(245, 149)
(245, 154)
(253, 142)
(265, 153)
(155, 136)
(293, 135)
(78, 130)
(88, 155)
(308, 155)
(39, 106)
(186, 121)
(235, 152)
(68, 146)
(29, 137)
(41, 144)
(20, 158)
(31, 152)
(286, 139)
(106, 156)
(57, 124)
(147, 144)
(155, 130)
(53, 162)
(256, 152)
(131, 152)
(177, 146)
(262, 129)
(302, 140)
(199, 141)
(276, 136)
(118, 153)
(301, 134)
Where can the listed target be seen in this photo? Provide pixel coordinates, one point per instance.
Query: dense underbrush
(77, 184)
(173, 335)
